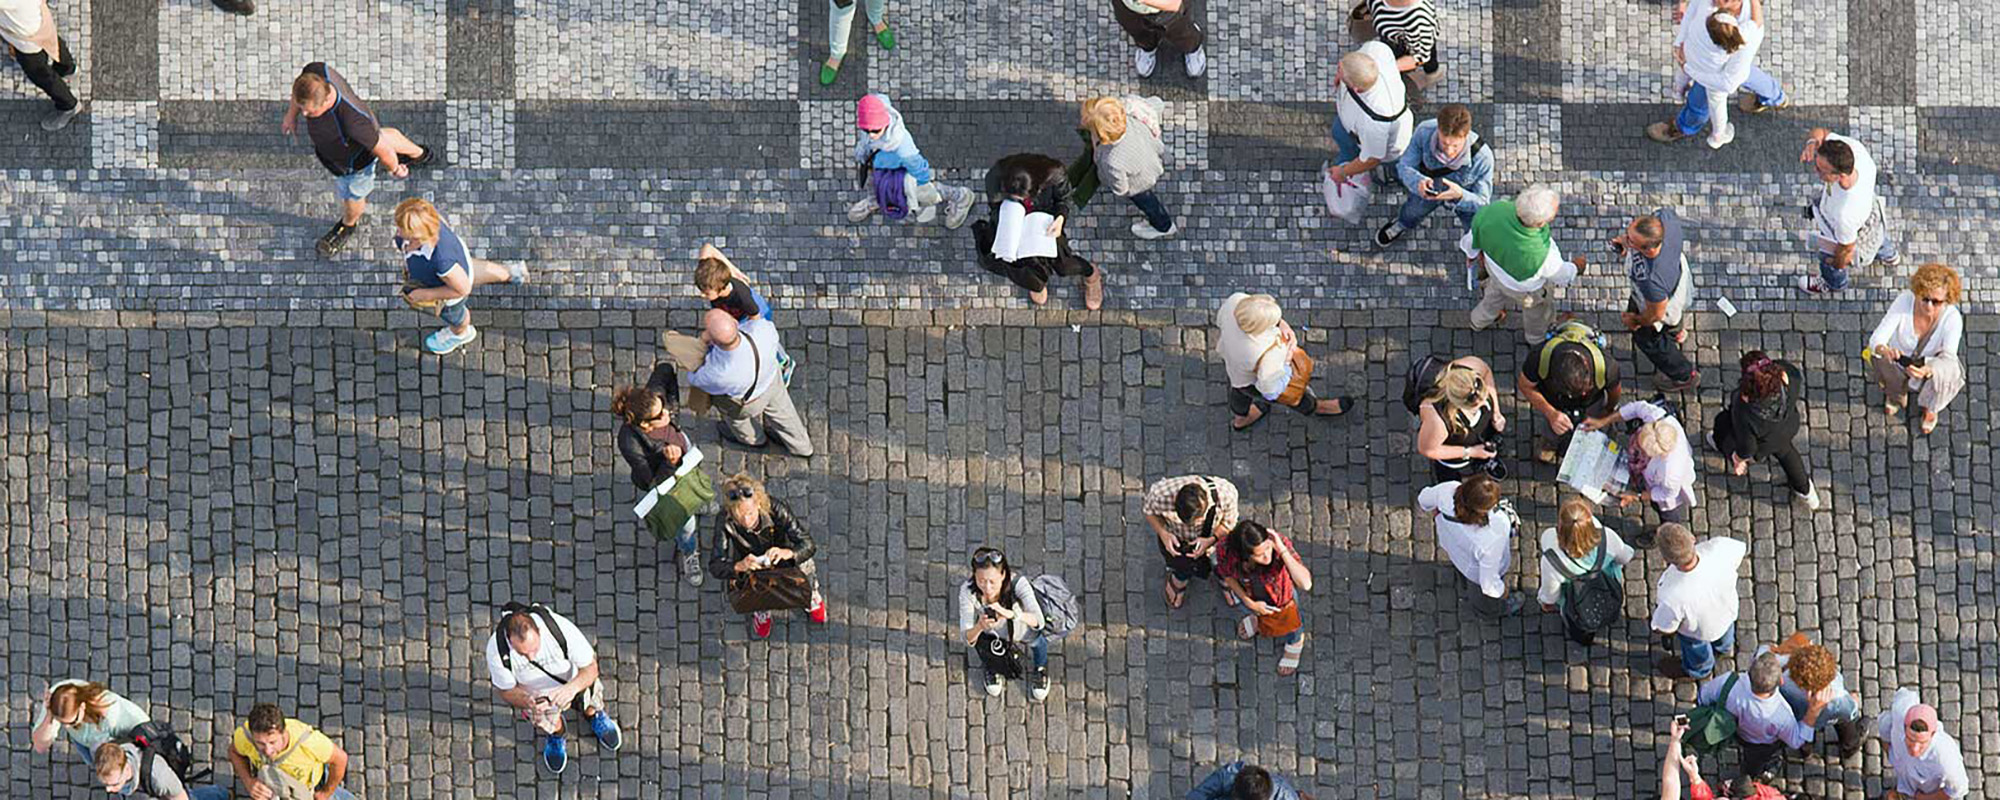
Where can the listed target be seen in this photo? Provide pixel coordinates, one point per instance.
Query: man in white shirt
(742, 373)
(1765, 724)
(1926, 760)
(542, 664)
(1697, 600)
(1373, 122)
(29, 28)
(1848, 219)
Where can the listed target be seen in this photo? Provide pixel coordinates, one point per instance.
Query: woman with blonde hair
(87, 713)
(1660, 460)
(1578, 544)
(1257, 350)
(1459, 420)
(1916, 344)
(441, 273)
(1128, 150)
(755, 532)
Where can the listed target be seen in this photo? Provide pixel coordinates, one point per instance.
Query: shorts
(544, 717)
(454, 313)
(355, 185)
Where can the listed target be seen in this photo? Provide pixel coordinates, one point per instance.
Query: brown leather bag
(1281, 623)
(772, 589)
(1302, 372)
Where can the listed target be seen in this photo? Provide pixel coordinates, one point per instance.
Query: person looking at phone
(1190, 514)
(1447, 165)
(1916, 345)
(542, 664)
(996, 602)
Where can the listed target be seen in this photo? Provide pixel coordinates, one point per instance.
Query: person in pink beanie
(886, 149)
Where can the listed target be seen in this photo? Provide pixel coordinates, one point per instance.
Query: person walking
(1459, 422)
(1410, 29)
(1129, 148)
(1811, 671)
(1660, 461)
(1372, 120)
(741, 372)
(350, 142)
(1718, 51)
(1447, 165)
(1569, 380)
(840, 28)
(655, 447)
(756, 532)
(1849, 221)
(1696, 600)
(276, 757)
(1265, 362)
(1926, 761)
(1150, 22)
(1476, 528)
(29, 29)
(441, 273)
(1765, 723)
(542, 665)
(86, 713)
(1035, 184)
(1266, 573)
(899, 180)
(1190, 515)
(1654, 247)
(1762, 421)
(1510, 244)
(1578, 544)
(1238, 780)
(998, 605)
(1916, 344)
(126, 770)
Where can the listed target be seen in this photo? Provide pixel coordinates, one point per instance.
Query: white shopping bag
(1345, 199)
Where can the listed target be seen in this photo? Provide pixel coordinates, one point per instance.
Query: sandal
(1930, 422)
(1893, 408)
(1228, 597)
(1255, 416)
(1288, 665)
(1247, 629)
(1176, 595)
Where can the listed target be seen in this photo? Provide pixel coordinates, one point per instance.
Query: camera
(991, 614)
(1910, 360)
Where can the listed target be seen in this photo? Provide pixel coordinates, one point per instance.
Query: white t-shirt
(1759, 720)
(1482, 554)
(1714, 68)
(19, 21)
(1701, 604)
(526, 674)
(1841, 213)
(1898, 329)
(1554, 269)
(1940, 769)
(1379, 140)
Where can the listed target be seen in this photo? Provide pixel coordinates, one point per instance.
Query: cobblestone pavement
(231, 477)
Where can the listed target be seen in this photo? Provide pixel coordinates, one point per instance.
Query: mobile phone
(991, 614)
(1681, 718)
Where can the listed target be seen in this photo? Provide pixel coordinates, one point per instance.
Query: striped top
(1409, 30)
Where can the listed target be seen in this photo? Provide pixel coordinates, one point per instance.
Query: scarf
(889, 193)
(1517, 249)
(1464, 153)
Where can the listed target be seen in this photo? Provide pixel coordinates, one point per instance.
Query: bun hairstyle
(1762, 377)
(636, 404)
(1723, 31)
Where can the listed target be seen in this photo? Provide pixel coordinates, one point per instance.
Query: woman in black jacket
(1040, 184)
(755, 532)
(1762, 419)
(654, 446)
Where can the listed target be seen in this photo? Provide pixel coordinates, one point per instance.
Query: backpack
(1710, 726)
(1574, 332)
(156, 740)
(1592, 600)
(1059, 605)
(1421, 379)
(541, 612)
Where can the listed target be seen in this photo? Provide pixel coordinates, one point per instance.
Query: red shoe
(818, 610)
(760, 624)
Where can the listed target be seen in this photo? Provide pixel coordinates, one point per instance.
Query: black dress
(1049, 194)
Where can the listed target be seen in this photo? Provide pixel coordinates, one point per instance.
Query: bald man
(743, 375)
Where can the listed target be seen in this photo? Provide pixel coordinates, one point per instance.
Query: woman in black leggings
(1762, 419)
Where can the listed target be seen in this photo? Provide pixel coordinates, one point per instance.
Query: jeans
(356, 185)
(220, 793)
(687, 542)
(1242, 398)
(1703, 105)
(1155, 211)
(840, 23)
(1348, 147)
(1836, 277)
(47, 75)
(1698, 657)
(1040, 650)
(1665, 353)
(1417, 207)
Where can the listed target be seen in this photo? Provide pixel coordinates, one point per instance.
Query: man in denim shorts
(349, 141)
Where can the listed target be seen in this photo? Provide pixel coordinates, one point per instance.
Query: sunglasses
(874, 130)
(989, 558)
(741, 494)
(1936, 301)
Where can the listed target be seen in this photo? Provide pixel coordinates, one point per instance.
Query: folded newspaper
(688, 462)
(1593, 462)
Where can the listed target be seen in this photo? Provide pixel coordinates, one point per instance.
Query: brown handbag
(772, 589)
(1302, 373)
(1281, 623)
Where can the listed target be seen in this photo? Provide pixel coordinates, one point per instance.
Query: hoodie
(895, 150)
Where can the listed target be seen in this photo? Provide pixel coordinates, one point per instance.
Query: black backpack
(548, 619)
(1421, 379)
(156, 740)
(1592, 600)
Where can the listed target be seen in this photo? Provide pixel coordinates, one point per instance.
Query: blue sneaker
(606, 730)
(443, 341)
(555, 753)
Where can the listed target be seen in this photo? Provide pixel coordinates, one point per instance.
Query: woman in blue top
(442, 273)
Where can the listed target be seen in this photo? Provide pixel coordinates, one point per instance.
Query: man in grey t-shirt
(1655, 251)
(125, 771)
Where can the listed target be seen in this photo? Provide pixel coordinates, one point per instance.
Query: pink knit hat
(872, 113)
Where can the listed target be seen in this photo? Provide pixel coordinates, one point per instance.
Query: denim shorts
(355, 185)
(454, 313)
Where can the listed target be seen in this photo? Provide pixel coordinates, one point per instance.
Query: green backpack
(1710, 726)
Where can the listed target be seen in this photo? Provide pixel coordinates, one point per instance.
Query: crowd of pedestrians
(545, 667)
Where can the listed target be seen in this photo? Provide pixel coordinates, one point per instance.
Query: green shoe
(887, 38)
(827, 74)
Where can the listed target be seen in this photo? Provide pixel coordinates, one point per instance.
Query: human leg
(1946, 381)
(1415, 208)
(1243, 399)
(1664, 352)
(1181, 32)
(208, 793)
(1894, 381)
(1697, 656)
(1833, 275)
(1759, 759)
(1794, 467)
(1155, 211)
(1726, 643)
(1136, 25)
(1694, 112)
(1768, 91)
(42, 71)
(409, 150)
(1343, 139)
(1538, 312)
(1493, 300)
(782, 420)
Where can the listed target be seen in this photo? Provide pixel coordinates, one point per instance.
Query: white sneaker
(1145, 230)
(1716, 139)
(993, 685)
(929, 213)
(862, 209)
(957, 209)
(1810, 498)
(691, 568)
(1146, 61)
(1196, 62)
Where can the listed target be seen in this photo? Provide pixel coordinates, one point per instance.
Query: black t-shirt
(1533, 372)
(739, 303)
(344, 137)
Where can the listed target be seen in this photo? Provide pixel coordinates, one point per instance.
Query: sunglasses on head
(742, 493)
(988, 558)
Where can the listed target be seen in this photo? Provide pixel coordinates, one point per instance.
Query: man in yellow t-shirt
(277, 758)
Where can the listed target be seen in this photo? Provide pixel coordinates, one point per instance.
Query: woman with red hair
(1763, 417)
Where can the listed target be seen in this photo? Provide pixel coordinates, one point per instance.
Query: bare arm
(1302, 578)
(245, 775)
(44, 735)
(1536, 400)
(336, 771)
(516, 697)
(1160, 529)
(1757, 11)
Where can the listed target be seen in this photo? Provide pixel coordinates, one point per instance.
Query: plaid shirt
(1160, 503)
